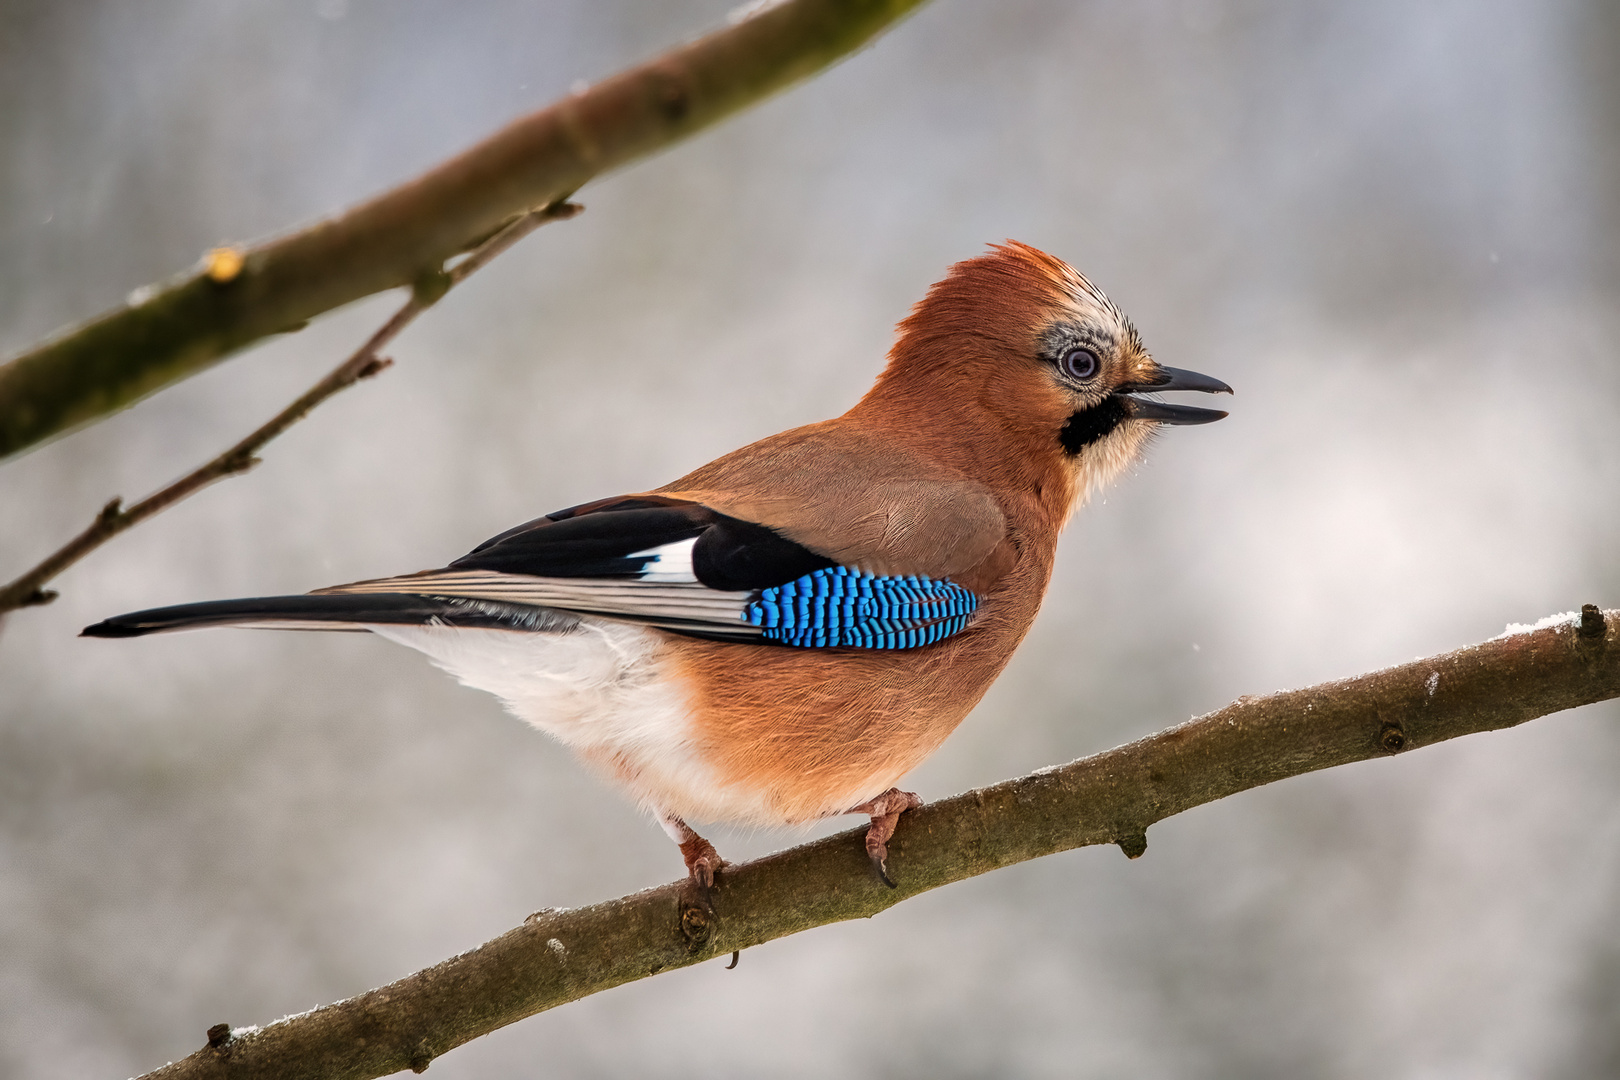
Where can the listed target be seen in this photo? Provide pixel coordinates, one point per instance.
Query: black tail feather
(333, 611)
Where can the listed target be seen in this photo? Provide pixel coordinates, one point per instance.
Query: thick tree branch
(29, 589)
(178, 328)
(1111, 798)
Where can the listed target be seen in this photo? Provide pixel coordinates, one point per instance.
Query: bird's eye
(1079, 363)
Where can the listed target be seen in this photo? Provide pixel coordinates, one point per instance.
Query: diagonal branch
(29, 589)
(1110, 798)
(177, 328)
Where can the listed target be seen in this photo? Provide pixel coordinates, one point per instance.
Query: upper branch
(1110, 798)
(181, 327)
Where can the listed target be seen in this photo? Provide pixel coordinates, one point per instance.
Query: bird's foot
(702, 861)
(885, 810)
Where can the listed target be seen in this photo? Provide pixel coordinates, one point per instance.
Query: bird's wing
(681, 565)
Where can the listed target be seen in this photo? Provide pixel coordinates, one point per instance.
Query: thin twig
(174, 329)
(1111, 798)
(29, 589)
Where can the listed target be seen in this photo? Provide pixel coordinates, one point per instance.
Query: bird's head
(1017, 360)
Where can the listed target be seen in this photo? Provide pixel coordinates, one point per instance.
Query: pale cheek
(1099, 464)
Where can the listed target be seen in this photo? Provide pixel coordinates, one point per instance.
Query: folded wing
(683, 566)
(665, 562)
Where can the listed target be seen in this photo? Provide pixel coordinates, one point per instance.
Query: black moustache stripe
(1088, 425)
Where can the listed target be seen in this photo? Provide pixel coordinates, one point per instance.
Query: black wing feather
(736, 554)
(611, 539)
(593, 545)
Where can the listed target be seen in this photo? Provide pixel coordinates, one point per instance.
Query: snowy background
(1393, 227)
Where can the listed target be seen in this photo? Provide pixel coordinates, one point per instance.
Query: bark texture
(1110, 798)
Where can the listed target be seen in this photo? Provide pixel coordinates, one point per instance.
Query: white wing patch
(668, 562)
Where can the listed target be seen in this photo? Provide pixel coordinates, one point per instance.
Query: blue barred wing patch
(839, 606)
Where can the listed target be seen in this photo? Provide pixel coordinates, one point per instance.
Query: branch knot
(696, 925)
(430, 285)
(1392, 738)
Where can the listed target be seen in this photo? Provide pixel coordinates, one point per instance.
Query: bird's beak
(1169, 378)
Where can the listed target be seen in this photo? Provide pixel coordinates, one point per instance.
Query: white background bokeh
(1392, 227)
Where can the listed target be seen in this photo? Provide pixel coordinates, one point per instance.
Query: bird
(781, 635)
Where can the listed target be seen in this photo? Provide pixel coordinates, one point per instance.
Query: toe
(702, 871)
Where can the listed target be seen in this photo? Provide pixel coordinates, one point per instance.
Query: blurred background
(1394, 227)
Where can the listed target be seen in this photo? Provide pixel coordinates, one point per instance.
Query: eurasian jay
(782, 634)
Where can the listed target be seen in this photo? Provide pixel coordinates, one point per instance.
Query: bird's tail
(334, 611)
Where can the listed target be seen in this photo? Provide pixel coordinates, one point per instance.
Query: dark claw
(881, 869)
(735, 956)
(705, 895)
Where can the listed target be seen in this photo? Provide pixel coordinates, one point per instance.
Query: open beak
(1169, 378)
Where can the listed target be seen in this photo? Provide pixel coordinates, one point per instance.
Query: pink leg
(702, 861)
(885, 810)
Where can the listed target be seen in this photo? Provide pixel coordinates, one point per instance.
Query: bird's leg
(885, 810)
(702, 861)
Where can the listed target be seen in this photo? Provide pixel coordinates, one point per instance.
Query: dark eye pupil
(1080, 363)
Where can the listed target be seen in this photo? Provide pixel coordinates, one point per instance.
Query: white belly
(602, 688)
